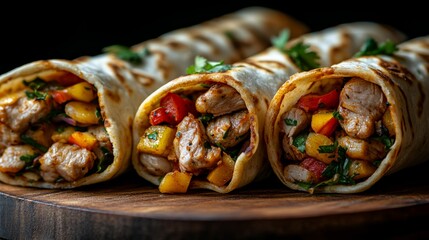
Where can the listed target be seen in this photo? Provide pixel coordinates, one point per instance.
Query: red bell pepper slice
(173, 109)
(314, 166)
(312, 102)
(329, 127)
(60, 96)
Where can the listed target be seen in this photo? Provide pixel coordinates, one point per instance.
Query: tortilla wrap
(255, 81)
(402, 79)
(116, 87)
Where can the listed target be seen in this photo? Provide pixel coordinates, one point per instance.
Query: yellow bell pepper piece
(319, 120)
(82, 92)
(175, 182)
(83, 139)
(312, 145)
(361, 169)
(223, 172)
(82, 112)
(157, 140)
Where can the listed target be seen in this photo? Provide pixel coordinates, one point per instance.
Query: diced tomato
(312, 102)
(314, 166)
(61, 96)
(160, 115)
(329, 127)
(173, 109)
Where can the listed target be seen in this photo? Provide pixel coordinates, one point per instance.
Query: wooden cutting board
(130, 208)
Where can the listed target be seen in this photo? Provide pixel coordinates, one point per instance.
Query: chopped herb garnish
(300, 53)
(205, 118)
(125, 53)
(304, 185)
(105, 161)
(299, 141)
(205, 85)
(385, 138)
(338, 116)
(30, 141)
(28, 158)
(371, 47)
(290, 122)
(233, 153)
(36, 95)
(153, 135)
(220, 146)
(328, 148)
(99, 116)
(339, 170)
(280, 41)
(202, 65)
(225, 135)
(207, 145)
(35, 85)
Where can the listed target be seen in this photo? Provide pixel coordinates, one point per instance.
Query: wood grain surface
(130, 208)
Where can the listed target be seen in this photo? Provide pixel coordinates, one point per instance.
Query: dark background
(73, 29)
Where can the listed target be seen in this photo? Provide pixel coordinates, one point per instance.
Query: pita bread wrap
(217, 142)
(382, 101)
(65, 124)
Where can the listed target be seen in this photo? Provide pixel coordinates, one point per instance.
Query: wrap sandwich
(205, 130)
(340, 129)
(65, 124)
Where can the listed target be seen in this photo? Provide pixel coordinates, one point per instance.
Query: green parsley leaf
(30, 141)
(338, 170)
(290, 122)
(338, 116)
(304, 185)
(299, 141)
(300, 53)
(105, 161)
(205, 118)
(304, 58)
(202, 65)
(28, 158)
(35, 85)
(328, 148)
(127, 54)
(280, 41)
(36, 95)
(371, 47)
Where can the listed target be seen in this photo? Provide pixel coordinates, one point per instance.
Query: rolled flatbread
(65, 124)
(373, 121)
(217, 142)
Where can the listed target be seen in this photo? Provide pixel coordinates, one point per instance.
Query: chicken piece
(220, 99)
(192, 147)
(362, 103)
(70, 162)
(19, 115)
(8, 136)
(294, 121)
(297, 173)
(101, 135)
(360, 149)
(156, 165)
(11, 161)
(228, 130)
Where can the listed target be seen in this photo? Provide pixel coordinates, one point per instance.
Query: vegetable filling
(338, 136)
(197, 134)
(52, 130)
